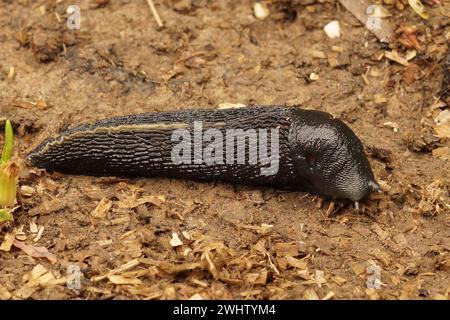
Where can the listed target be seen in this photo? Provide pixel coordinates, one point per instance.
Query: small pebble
(260, 10)
(333, 30)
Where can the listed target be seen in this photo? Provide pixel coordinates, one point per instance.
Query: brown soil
(212, 52)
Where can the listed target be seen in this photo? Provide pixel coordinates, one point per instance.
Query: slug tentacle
(285, 147)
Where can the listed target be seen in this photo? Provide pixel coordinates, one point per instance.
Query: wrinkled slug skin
(317, 153)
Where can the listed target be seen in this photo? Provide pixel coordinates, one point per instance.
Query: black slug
(284, 147)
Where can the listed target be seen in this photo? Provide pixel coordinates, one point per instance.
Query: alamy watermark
(73, 276)
(73, 17)
(373, 277)
(373, 17)
(240, 147)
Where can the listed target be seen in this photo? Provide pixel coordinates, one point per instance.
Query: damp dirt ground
(175, 239)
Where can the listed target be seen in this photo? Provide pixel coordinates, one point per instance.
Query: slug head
(329, 158)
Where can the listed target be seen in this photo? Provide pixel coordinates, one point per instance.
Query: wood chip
(287, 248)
(121, 220)
(127, 266)
(48, 207)
(442, 153)
(310, 294)
(102, 209)
(196, 296)
(442, 131)
(11, 73)
(118, 279)
(7, 242)
(27, 191)
(175, 240)
(339, 280)
(329, 295)
(318, 54)
(177, 268)
(380, 232)
(400, 239)
(296, 263)
(131, 202)
(33, 227)
(227, 105)
(393, 55)
(39, 234)
(257, 278)
(320, 278)
(358, 268)
(4, 293)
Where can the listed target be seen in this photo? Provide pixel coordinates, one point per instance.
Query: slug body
(284, 147)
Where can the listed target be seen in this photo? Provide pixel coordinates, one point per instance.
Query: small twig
(125, 267)
(330, 209)
(155, 13)
(271, 263)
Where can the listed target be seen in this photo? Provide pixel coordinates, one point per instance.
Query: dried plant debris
(435, 198)
(381, 154)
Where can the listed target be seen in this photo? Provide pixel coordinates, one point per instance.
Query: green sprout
(7, 148)
(5, 215)
(8, 176)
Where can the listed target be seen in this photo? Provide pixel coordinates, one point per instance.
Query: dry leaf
(410, 72)
(35, 252)
(41, 105)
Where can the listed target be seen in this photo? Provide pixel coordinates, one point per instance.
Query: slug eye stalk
(8, 175)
